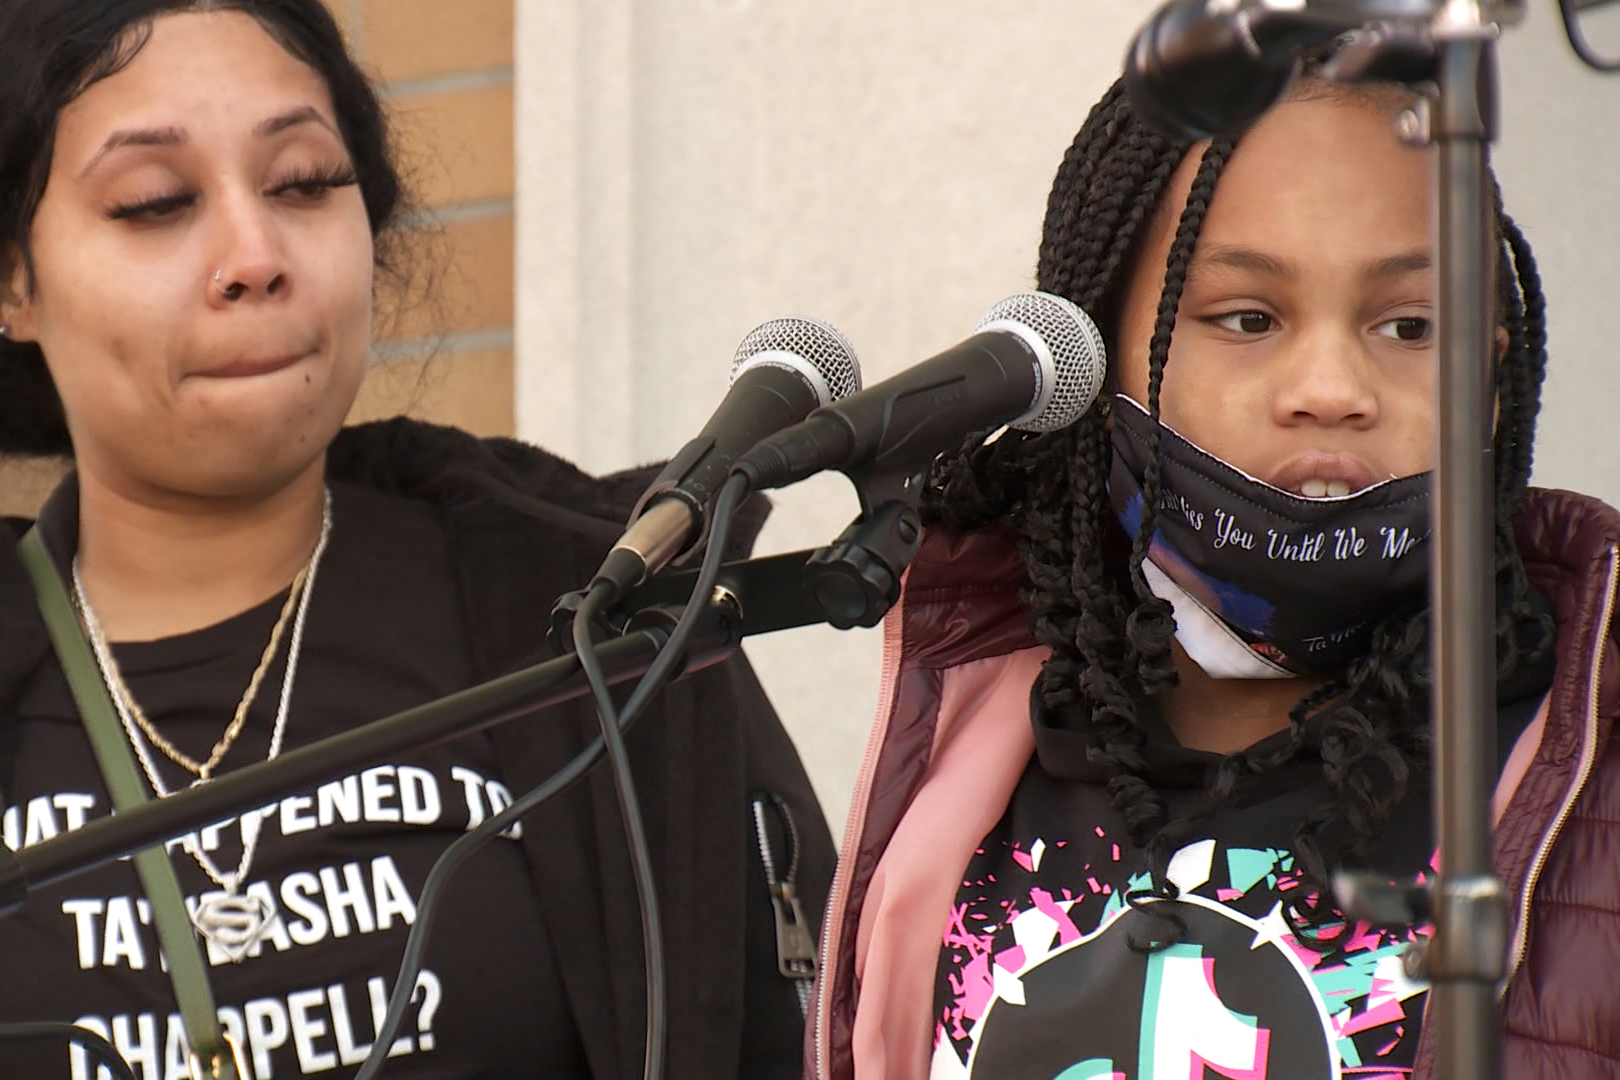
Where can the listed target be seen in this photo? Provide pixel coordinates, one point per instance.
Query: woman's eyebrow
(177, 136)
(166, 136)
(303, 114)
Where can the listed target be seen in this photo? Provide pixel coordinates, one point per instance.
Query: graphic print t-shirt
(1039, 978)
(343, 865)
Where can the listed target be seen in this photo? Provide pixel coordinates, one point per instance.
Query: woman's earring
(5, 331)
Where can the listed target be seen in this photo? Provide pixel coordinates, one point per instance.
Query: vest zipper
(853, 830)
(1521, 933)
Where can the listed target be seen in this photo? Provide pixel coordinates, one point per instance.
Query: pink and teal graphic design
(1043, 976)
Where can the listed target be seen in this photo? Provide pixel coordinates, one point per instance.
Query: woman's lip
(251, 366)
(1321, 465)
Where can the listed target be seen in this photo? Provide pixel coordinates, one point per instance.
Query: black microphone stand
(251, 788)
(1465, 959)
(1453, 59)
(849, 583)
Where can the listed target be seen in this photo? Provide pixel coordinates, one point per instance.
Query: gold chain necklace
(234, 922)
(204, 770)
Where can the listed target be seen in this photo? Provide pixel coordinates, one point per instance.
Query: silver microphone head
(810, 347)
(1070, 347)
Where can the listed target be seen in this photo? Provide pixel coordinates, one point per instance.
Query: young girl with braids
(1156, 677)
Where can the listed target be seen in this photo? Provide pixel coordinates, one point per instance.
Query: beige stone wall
(689, 168)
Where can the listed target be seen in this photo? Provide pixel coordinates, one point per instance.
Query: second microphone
(1035, 362)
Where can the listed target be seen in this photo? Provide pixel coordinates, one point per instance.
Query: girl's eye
(1245, 322)
(1411, 330)
(154, 209)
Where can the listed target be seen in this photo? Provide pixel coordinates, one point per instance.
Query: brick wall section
(445, 69)
(446, 72)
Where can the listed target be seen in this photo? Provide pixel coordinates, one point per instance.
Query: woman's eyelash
(331, 176)
(307, 179)
(157, 204)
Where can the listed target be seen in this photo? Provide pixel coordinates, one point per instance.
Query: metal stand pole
(1466, 957)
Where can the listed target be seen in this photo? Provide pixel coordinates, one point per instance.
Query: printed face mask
(1299, 582)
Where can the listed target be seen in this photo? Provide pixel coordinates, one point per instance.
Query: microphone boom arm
(851, 582)
(256, 786)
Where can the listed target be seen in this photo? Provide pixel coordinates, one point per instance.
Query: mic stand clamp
(1388, 53)
(853, 581)
(860, 572)
(1475, 902)
(1389, 905)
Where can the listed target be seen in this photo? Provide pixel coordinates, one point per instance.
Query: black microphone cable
(104, 1053)
(1571, 12)
(616, 721)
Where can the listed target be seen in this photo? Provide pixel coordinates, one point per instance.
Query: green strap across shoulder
(215, 1057)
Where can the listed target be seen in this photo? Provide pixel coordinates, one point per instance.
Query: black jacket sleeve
(526, 529)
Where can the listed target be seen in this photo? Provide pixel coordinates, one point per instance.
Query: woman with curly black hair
(198, 206)
(1156, 677)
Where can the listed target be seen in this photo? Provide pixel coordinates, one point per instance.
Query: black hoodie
(523, 528)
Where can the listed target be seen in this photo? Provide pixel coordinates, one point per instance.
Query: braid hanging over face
(1089, 603)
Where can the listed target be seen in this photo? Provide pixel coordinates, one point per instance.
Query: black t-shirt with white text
(343, 864)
